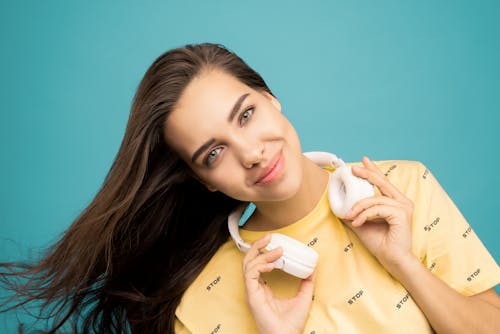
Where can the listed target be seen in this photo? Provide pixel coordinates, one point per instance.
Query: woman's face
(235, 139)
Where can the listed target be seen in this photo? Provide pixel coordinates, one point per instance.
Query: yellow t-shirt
(353, 293)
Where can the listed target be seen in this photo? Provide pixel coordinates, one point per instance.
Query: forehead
(211, 89)
(202, 109)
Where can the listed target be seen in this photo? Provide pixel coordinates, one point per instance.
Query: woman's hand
(383, 223)
(272, 314)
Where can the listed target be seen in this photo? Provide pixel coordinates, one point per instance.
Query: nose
(250, 152)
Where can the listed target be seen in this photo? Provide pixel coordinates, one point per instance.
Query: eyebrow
(232, 114)
(237, 107)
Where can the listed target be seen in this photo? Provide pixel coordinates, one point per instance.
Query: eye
(212, 156)
(245, 116)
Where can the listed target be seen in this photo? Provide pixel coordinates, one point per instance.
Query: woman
(151, 253)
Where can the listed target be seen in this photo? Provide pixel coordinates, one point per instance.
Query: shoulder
(402, 173)
(387, 166)
(408, 167)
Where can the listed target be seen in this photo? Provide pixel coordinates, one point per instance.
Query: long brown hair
(125, 262)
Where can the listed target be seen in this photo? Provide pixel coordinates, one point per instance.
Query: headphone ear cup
(345, 189)
(298, 259)
(297, 269)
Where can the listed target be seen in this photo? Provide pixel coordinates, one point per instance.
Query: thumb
(306, 287)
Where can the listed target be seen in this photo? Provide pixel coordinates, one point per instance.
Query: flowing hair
(125, 262)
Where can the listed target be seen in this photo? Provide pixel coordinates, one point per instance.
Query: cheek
(271, 125)
(292, 137)
(227, 178)
(234, 189)
(284, 125)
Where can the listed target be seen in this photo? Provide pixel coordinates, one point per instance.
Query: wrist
(277, 331)
(404, 266)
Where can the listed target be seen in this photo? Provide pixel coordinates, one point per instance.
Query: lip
(273, 170)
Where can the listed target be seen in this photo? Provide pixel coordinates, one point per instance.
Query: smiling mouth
(274, 171)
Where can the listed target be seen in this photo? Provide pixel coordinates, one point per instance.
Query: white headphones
(344, 189)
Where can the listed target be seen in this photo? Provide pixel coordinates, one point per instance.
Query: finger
(368, 202)
(372, 174)
(262, 263)
(255, 248)
(252, 278)
(267, 257)
(375, 176)
(306, 288)
(252, 272)
(377, 211)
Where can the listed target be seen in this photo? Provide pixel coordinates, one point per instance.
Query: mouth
(273, 170)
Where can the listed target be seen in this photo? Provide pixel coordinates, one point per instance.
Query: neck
(275, 215)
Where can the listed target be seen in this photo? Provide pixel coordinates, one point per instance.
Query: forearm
(446, 310)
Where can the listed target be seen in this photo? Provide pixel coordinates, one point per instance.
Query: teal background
(416, 80)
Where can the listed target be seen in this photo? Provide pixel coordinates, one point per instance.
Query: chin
(287, 188)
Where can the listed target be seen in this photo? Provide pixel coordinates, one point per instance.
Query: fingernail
(348, 214)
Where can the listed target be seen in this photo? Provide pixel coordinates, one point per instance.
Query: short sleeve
(452, 251)
(180, 328)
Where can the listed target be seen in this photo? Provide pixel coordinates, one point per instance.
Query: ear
(207, 185)
(275, 102)
(210, 187)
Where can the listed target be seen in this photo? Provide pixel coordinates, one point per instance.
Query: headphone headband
(320, 158)
(344, 189)
(232, 223)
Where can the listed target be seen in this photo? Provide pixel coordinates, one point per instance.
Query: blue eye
(245, 116)
(212, 156)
